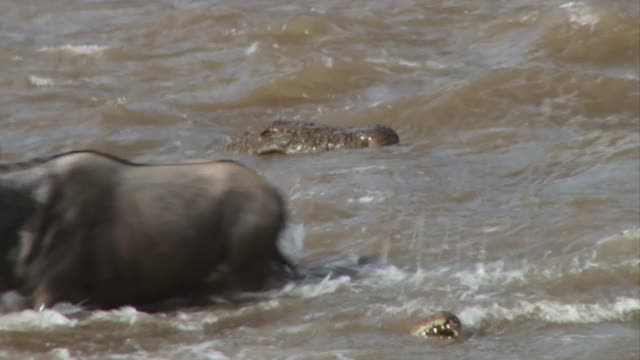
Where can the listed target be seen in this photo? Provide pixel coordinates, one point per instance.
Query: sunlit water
(513, 199)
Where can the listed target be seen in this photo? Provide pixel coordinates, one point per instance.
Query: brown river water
(512, 200)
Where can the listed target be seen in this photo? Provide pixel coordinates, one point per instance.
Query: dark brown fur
(108, 232)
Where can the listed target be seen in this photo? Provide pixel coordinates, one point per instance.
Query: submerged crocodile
(441, 325)
(297, 137)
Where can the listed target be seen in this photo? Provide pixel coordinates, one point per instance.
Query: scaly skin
(297, 137)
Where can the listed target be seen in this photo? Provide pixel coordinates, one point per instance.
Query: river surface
(513, 199)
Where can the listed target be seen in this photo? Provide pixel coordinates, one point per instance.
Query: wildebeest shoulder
(108, 232)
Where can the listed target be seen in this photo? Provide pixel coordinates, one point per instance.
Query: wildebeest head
(20, 194)
(15, 207)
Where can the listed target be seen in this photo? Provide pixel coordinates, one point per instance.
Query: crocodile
(441, 325)
(299, 137)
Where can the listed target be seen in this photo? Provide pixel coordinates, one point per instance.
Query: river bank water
(512, 200)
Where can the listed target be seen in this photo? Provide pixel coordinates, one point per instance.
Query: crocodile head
(375, 136)
(442, 325)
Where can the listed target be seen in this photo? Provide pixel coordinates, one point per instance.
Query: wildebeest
(92, 228)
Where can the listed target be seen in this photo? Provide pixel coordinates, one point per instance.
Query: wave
(75, 50)
(583, 33)
(622, 309)
(40, 81)
(317, 82)
(30, 320)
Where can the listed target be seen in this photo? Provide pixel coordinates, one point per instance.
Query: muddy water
(513, 199)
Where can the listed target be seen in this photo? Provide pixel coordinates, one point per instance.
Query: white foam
(67, 309)
(489, 274)
(622, 308)
(624, 236)
(394, 61)
(13, 300)
(291, 242)
(389, 276)
(61, 353)
(206, 350)
(497, 274)
(327, 61)
(125, 314)
(581, 14)
(356, 169)
(615, 250)
(40, 81)
(326, 286)
(195, 321)
(33, 320)
(386, 59)
(252, 48)
(370, 197)
(362, 199)
(80, 50)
